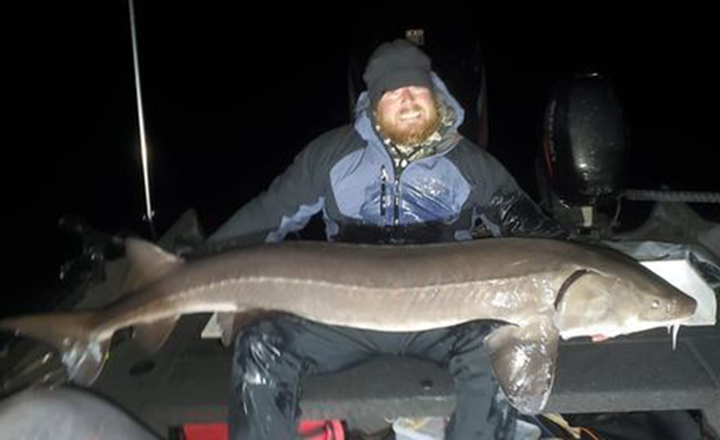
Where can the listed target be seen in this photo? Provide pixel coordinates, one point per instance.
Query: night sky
(231, 95)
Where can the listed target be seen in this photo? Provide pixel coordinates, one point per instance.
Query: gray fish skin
(389, 288)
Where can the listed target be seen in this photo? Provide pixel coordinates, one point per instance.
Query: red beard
(410, 134)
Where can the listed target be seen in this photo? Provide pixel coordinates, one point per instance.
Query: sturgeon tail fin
(73, 335)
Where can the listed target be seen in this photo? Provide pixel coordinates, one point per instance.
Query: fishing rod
(149, 213)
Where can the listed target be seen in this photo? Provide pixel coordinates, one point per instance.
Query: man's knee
(472, 335)
(258, 343)
(262, 355)
(265, 380)
(468, 362)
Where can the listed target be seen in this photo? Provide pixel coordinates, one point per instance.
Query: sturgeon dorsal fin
(147, 263)
(523, 359)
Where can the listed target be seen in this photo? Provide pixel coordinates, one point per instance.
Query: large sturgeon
(544, 289)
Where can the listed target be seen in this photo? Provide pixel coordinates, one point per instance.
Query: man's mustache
(410, 109)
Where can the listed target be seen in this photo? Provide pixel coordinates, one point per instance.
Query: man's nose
(406, 94)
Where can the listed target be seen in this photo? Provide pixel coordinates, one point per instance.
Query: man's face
(408, 115)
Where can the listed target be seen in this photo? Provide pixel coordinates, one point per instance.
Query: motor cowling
(584, 141)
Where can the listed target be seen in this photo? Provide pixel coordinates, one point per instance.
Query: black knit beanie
(396, 64)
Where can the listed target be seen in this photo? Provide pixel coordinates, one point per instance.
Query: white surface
(428, 428)
(433, 428)
(212, 329)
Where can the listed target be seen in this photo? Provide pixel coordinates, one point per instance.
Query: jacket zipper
(383, 191)
(384, 181)
(396, 204)
(398, 169)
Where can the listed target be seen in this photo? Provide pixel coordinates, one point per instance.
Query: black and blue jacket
(457, 192)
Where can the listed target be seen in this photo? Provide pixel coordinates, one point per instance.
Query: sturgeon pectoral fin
(153, 335)
(523, 359)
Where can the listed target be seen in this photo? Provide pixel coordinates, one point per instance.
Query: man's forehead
(410, 87)
(418, 92)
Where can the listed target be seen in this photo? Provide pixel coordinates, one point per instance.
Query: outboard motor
(583, 145)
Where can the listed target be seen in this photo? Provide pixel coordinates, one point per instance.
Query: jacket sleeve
(507, 210)
(287, 205)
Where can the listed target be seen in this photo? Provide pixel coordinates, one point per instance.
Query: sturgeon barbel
(543, 289)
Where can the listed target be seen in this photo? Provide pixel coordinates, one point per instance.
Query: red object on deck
(308, 430)
(210, 431)
(321, 430)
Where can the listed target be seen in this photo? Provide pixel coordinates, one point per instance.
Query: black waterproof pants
(271, 357)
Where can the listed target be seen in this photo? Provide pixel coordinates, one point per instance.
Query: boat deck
(189, 380)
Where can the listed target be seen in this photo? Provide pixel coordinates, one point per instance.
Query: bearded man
(401, 173)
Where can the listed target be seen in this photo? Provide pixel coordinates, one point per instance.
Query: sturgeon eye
(655, 304)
